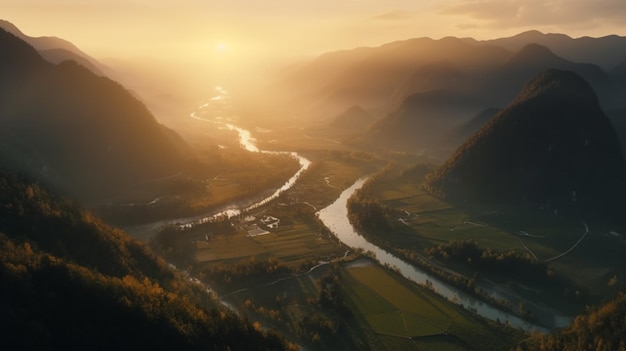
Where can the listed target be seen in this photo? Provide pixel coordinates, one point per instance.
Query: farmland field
(394, 307)
(425, 221)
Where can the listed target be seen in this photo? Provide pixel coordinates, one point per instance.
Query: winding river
(335, 217)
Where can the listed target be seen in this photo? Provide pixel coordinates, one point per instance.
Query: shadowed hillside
(82, 133)
(601, 328)
(551, 148)
(68, 281)
(57, 50)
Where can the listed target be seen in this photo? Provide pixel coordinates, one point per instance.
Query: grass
(394, 307)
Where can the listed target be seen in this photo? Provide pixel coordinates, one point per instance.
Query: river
(216, 111)
(335, 217)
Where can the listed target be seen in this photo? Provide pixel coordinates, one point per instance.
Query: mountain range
(408, 86)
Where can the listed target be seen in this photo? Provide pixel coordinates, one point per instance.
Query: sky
(230, 35)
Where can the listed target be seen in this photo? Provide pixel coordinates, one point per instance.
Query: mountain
(57, 50)
(431, 76)
(618, 120)
(430, 118)
(81, 133)
(68, 281)
(422, 121)
(531, 59)
(600, 328)
(381, 77)
(60, 55)
(606, 52)
(552, 147)
(474, 124)
(619, 72)
(394, 81)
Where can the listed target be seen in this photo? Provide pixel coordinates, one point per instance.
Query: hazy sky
(301, 26)
(234, 33)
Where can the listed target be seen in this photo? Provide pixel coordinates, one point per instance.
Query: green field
(393, 307)
(299, 236)
(291, 243)
(431, 221)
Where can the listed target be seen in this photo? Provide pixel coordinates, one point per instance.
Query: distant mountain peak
(534, 48)
(11, 28)
(535, 54)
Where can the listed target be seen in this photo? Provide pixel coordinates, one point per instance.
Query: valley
(297, 239)
(423, 194)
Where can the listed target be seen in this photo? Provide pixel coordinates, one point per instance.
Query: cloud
(466, 26)
(394, 16)
(523, 13)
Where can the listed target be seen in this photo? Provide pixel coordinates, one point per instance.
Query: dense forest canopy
(68, 280)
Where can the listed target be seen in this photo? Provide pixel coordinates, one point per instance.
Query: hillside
(381, 77)
(551, 148)
(423, 121)
(57, 50)
(69, 281)
(601, 328)
(470, 127)
(532, 59)
(605, 52)
(79, 132)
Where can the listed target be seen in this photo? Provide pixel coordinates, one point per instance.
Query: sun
(220, 47)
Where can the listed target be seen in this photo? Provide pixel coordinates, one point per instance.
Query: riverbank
(335, 217)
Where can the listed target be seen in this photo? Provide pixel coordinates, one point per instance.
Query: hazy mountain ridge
(83, 133)
(59, 55)
(606, 52)
(57, 50)
(373, 81)
(552, 147)
(422, 121)
(534, 58)
(487, 73)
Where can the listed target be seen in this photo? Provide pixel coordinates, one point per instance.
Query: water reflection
(217, 110)
(335, 217)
